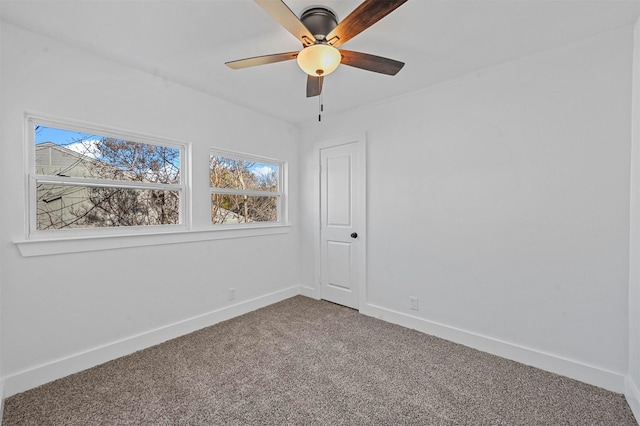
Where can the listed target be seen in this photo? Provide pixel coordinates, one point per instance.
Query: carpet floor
(309, 362)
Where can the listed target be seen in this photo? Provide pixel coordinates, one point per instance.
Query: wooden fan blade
(368, 13)
(369, 62)
(314, 86)
(285, 17)
(261, 60)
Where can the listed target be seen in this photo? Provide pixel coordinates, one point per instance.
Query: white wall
(632, 390)
(501, 200)
(64, 312)
(1, 268)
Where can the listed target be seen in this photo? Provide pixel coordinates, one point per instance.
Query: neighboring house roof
(56, 160)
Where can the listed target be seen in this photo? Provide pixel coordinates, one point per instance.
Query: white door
(342, 239)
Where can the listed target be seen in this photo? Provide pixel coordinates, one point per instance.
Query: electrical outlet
(413, 303)
(232, 293)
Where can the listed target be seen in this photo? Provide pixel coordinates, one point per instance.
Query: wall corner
(632, 381)
(632, 395)
(1, 400)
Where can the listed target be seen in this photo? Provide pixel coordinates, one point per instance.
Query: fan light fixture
(319, 59)
(321, 35)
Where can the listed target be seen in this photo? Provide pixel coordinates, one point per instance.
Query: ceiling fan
(320, 34)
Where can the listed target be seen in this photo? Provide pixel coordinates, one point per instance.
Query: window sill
(44, 247)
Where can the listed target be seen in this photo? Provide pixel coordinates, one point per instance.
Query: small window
(245, 189)
(90, 179)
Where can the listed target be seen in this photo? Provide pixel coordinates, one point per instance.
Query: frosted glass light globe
(319, 59)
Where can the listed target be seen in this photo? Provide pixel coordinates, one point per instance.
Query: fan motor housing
(320, 20)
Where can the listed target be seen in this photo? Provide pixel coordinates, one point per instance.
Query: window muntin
(245, 189)
(92, 180)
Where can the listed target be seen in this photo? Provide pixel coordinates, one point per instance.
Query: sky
(59, 136)
(71, 139)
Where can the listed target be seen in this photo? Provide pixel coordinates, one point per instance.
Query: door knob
(354, 235)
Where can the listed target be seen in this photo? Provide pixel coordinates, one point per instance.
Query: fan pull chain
(320, 101)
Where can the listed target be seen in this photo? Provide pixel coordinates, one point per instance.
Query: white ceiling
(189, 41)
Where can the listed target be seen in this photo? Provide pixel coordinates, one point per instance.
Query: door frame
(360, 140)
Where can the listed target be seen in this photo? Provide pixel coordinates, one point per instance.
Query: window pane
(71, 207)
(232, 173)
(232, 208)
(67, 153)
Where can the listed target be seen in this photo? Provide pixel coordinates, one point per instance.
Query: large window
(245, 189)
(82, 178)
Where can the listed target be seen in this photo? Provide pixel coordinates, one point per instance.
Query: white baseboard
(39, 375)
(566, 367)
(1, 399)
(632, 394)
(309, 292)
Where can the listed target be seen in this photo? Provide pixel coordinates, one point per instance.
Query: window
(86, 178)
(245, 189)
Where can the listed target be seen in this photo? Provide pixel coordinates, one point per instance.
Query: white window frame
(281, 195)
(183, 188)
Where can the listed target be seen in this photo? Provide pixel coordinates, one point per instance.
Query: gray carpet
(306, 362)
